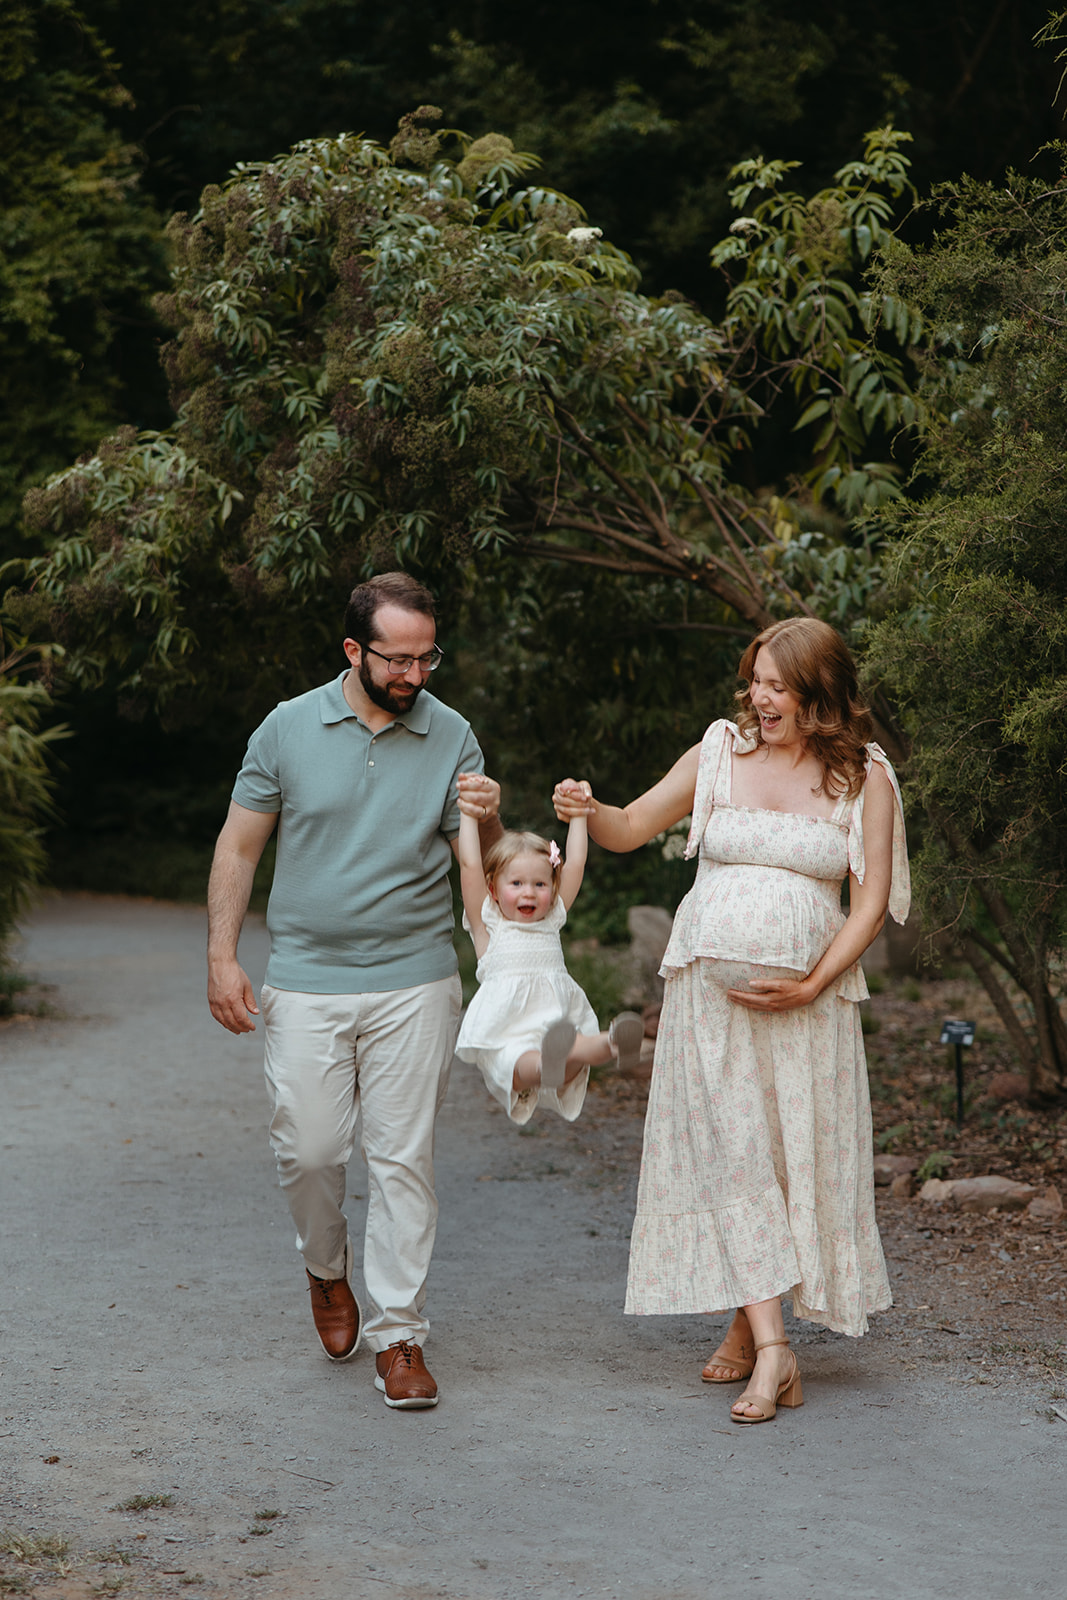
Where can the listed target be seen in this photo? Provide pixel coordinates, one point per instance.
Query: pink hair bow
(554, 857)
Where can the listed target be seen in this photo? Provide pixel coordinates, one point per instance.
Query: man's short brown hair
(387, 589)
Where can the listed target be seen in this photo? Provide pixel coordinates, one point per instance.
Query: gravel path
(156, 1342)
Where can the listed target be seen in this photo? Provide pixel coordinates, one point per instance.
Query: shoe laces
(325, 1288)
(406, 1352)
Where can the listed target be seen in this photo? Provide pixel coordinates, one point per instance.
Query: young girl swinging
(530, 1029)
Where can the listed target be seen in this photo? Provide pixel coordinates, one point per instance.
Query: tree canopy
(643, 121)
(400, 355)
(79, 248)
(27, 782)
(111, 107)
(974, 651)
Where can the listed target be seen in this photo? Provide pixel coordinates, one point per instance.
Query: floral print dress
(757, 1174)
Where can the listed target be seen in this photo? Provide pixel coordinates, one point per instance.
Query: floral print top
(768, 885)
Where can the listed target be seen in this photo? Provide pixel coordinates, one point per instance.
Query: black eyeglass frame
(427, 663)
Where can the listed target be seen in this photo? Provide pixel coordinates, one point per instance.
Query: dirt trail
(156, 1342)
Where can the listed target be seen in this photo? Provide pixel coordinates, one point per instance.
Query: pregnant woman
(757, 1172)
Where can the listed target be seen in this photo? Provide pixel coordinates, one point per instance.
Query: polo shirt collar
(335, 708)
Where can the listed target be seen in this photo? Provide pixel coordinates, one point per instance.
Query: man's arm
(240, 845)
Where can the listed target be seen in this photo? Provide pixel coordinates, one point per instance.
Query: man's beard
(396, 698)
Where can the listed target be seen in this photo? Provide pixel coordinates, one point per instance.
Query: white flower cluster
(584, 237)
(673, 841)
(745, 225)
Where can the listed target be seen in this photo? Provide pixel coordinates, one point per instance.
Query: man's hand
(231, 996)
(479, 796)
(229, 992)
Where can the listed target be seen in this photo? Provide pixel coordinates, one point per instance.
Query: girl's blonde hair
(500, 855)
(813, 661)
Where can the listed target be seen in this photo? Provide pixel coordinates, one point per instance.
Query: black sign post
(958, 1033)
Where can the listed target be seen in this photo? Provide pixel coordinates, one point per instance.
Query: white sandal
(556, 1046)
(625, 1036)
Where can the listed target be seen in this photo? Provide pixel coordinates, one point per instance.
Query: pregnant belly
(758, 914)
(740, 974)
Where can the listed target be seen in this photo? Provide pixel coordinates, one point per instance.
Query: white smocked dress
(757, 1174)
(524, 986)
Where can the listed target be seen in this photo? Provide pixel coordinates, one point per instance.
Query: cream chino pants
(387, 1055)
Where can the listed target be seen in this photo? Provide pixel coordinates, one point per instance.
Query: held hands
(573, 797)
(479, 796)
(774, 994)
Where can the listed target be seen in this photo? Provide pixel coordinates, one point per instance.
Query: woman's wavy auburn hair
(814, 663)
(502, 852)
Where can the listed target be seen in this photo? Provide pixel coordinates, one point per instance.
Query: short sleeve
(470, 760)
(556, 918)
(258, 785)
(900, 884)
(491, 918)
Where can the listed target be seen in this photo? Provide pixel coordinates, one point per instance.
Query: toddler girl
(530, 1029)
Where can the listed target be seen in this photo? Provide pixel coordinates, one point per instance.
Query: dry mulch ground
(1003, 1275)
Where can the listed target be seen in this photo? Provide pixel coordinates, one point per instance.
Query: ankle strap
(768, 1342)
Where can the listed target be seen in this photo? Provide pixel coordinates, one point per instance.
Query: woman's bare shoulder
(877, 781)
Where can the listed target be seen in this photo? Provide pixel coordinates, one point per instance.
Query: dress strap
(713, 778)
(842, 808)
(900, 883)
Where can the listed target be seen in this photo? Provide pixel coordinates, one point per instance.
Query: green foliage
(869, 1024)
(643, 120)
(12, 984)
(401, 357)
(599, 976)
(79, 247)
(936, 1164)
(803, 303)
(26, 783)
(976, 652)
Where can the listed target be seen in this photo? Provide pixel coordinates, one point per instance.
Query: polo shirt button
(370, 763)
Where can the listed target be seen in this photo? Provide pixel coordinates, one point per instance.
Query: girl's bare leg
(527, 1073)
(588, 1050)
(774, 1364)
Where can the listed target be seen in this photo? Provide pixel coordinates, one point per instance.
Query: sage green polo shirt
(361, 900)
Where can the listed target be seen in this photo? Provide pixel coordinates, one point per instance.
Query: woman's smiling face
(775, 705)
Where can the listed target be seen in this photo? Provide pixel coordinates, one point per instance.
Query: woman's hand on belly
(774, 994)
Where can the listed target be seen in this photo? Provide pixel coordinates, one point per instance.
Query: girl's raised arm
(471, 873)
(570, 879)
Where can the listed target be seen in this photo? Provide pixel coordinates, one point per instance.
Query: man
(361, 1001)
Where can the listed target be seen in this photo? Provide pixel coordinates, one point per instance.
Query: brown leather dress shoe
(338, 1322)
(403, 1378)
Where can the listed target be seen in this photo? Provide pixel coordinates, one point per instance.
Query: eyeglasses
(395, 665)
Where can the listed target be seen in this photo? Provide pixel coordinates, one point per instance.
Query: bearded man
(362, 999)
